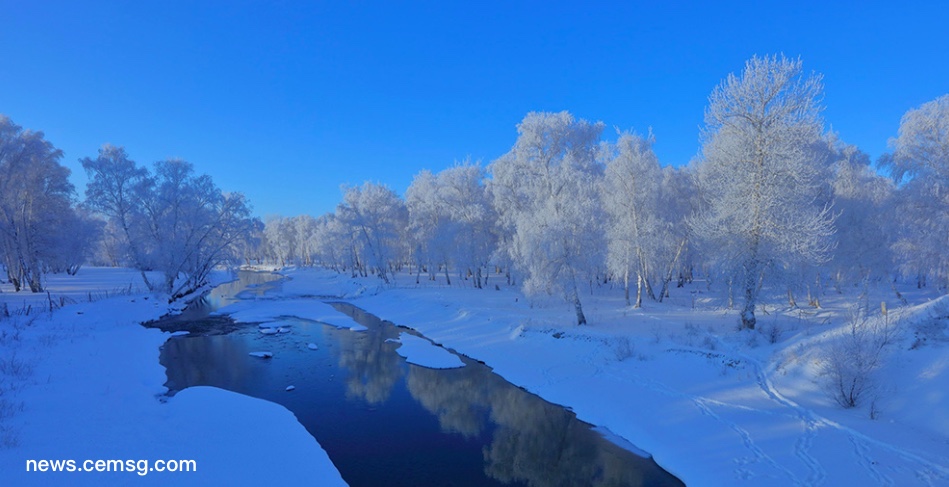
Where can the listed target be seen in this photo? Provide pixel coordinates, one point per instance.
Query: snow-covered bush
(848, 366)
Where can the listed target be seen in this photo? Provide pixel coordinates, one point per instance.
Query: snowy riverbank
(84, 383)
(713, 405)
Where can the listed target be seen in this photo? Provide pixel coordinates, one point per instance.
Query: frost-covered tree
(647, 205)
(862, 199)
(430, 229)
(305, 229)
(375, 218)
(281, 242)
(920, 165)
(113, 189)
(450, 221)
(39, 228)
(465, 198)
(678, 200)
(173, 220)
(758, 177)
(75, 242)
(333, 243)
(545, 192)
(631, 199)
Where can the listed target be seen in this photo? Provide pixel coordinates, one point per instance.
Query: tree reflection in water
(386, 422)
(216, 361)
(533, 441)
(373, 366)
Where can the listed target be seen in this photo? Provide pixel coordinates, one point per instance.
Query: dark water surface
(385, 422)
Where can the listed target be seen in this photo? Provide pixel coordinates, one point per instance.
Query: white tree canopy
(375, 218)
(545, 192)
(173, 221)
(920, 164)
(758, 177)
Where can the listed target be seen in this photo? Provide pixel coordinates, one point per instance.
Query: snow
(90, 387)
(712, 405)
(420, 351)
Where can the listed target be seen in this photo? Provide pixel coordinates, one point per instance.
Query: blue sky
(285, 101)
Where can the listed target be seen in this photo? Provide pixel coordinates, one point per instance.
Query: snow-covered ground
(715, 406)
(84, 383)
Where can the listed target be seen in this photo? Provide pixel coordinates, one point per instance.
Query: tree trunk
(731, 293)
(748, 312)
(581, 320)
(649, 291)
(639, 291)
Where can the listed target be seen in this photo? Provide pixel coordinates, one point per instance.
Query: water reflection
(386, 422)
(247, 285)
(372, 366)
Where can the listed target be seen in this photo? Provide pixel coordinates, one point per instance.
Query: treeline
(772, 197)
(168, 219)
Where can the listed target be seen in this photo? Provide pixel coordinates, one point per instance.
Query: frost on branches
(545, 191)
(172, 220)
(920, 164)
(758, 177)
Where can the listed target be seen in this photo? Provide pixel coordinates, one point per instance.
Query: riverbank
(83, 382)
(714, 406)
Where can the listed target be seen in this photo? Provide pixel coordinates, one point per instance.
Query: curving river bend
(384, 421)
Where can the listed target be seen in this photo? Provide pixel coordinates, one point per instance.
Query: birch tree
(465, 198)
(759, 181)
(431, 234)
(450, 221)
(920, 165)
(376, 219)
(630, 197)
(545, 192)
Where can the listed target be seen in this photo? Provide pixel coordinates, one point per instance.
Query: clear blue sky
(285, 101)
